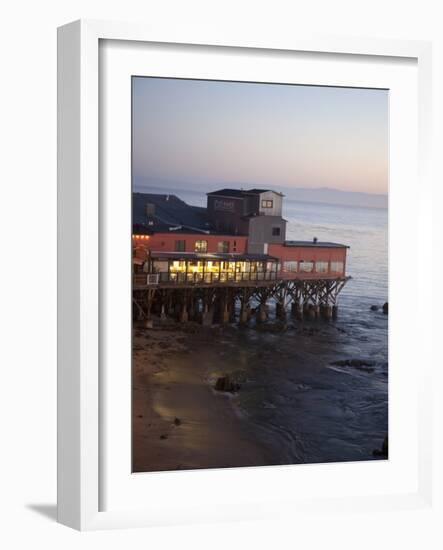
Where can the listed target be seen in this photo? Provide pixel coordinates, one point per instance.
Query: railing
(211, 278)
(146, 279)
(152, 279)
(142, 279)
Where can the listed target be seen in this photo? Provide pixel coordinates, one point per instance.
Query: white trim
(78, 264)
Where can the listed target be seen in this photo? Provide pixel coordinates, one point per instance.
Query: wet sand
(295, 404)
(179, 421)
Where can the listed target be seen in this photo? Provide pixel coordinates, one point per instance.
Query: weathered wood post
(184, 316)
(311, 312)
(297, 311)
(224, 309)
(149, 298)
(244, 307)
(326, 312)
(262, 314)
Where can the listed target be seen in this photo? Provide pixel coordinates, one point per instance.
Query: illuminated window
(177, 266)
(180, 246)
(275, 231)
(290, 266)
(223, 247)
(337, 267)
(321, 267)
(201, 246)
(267, 204)
(307, 267)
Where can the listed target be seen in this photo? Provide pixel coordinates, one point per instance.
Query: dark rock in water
(356, 363)
(177, 421)
(384, 451)
(385, 308)
(374, 308)
(225, 384)
(361, 363)
(163, 436)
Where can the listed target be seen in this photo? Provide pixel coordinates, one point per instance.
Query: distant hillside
(336, 196)
(322, 194)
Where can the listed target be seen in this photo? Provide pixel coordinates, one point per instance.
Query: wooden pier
(230, 300)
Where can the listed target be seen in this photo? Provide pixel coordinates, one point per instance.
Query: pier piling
(209, 304)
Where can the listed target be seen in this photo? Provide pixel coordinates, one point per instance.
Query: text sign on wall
(224, 206)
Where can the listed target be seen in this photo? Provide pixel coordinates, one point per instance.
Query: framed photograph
(241, 276)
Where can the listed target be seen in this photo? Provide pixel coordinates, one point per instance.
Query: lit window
(337, 267)
(267, 203)
(307, 267)
(290, 266)
(180, 246)
(223, 247)
(201, 246)
(321, 267)
(276, 232)
(177, 266)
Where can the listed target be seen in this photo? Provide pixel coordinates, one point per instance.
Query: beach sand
(179, 421)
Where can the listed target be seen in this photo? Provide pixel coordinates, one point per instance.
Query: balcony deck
(143, 281)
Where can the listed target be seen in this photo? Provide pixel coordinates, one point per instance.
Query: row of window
(201, 246)
(210, 266)
(223, 247)
(292, 266)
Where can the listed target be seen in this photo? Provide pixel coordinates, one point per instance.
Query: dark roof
(241, 192)
(228, 193)
(169, 212)
(215, 256)
(320, 244)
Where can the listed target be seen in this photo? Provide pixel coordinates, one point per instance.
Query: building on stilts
(229, 261)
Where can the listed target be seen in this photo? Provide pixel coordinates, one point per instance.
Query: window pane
(223, 247)
(180, 246)
(337, 267)
(290, 266)
(307, 267)
(201, 246)
(321, 267)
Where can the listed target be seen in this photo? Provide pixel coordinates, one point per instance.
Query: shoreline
(312, 393)
(179, 421)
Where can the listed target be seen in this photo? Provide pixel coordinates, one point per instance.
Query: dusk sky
(209, 133)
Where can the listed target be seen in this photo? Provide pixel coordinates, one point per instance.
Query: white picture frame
(79, 261)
